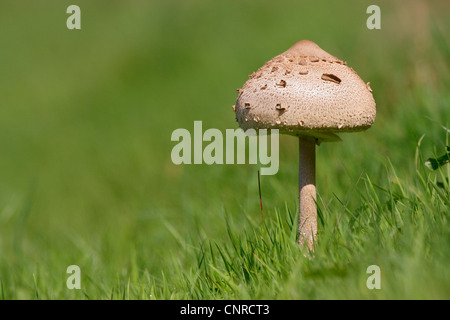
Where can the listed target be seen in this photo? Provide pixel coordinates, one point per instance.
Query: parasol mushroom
(306, 92)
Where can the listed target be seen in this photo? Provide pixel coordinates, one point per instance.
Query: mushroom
(317, 98)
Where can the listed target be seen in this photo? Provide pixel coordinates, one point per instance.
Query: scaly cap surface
(306, 91)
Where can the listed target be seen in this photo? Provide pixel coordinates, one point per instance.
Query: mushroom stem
(307, 190)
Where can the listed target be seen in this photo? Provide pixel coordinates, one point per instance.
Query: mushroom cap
(306, 91)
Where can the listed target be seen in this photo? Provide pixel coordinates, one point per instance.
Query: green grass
(86, 176)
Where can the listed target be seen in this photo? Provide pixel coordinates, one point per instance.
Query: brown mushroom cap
(306, 91)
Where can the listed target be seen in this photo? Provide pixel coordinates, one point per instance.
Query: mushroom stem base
(307, 191)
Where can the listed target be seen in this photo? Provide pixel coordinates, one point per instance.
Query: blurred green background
(86, 117)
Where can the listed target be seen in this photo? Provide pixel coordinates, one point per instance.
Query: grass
(400, 225)
(86, 177)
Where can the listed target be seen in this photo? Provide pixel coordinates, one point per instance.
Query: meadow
(86, 176)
